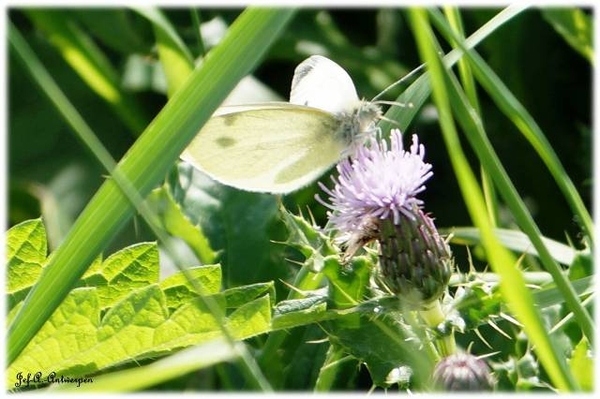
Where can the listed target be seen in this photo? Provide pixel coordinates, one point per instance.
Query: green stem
(433, 317)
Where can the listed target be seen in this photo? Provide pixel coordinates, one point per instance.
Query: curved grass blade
(476, 135)
(512, 285)
(134, 379)
(517, 241)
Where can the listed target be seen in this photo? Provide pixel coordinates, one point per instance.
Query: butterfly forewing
(321, 83)
(275, 147)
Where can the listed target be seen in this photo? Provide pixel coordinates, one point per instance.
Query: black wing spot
(225, 142)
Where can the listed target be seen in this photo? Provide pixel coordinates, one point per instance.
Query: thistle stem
(433, 317)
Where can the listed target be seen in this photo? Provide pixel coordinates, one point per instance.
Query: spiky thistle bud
(415, 262)
(463, 372)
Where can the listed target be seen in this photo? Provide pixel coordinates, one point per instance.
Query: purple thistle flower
(375, 198)
(376, 183)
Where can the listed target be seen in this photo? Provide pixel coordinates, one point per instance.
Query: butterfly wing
(321, 83)
(271, 147)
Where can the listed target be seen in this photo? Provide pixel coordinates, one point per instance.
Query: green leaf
(26, 256)
(308, 239)
(175, 57)
(123, 315)
(582, 365)
(59, 345)
(122, 272)
(298, 312)
(347, 283)
(237, 296)
(179, 225)
(237, 223)
(180, 290)
(574, 26)
(381, 342)
(251, 319)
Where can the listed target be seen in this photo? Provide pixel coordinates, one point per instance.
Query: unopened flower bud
(415, 262)
(463, 372)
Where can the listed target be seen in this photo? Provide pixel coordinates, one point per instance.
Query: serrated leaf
(347, 283)
(237, 296)
(77, 341)
(70, 331)
(126, 270)
(26, 255)
(190, 324)
(308, 239)
(180, 290)
(74, 342)
(382, 344)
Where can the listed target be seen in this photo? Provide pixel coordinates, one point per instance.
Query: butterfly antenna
(392, 121)
(405, 78)
(395, 103)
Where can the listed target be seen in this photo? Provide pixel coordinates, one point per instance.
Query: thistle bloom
(376, 183)
(375, 198)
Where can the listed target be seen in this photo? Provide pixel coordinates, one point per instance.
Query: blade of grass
(146, 164)
(175, 57)
(514, 110)
(516, 241)
(197, 20)
(512, 284)
(418, 92)
(490, 160)
(90, 63)
(468, 82)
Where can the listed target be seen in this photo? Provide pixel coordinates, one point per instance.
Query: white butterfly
(280, 147)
